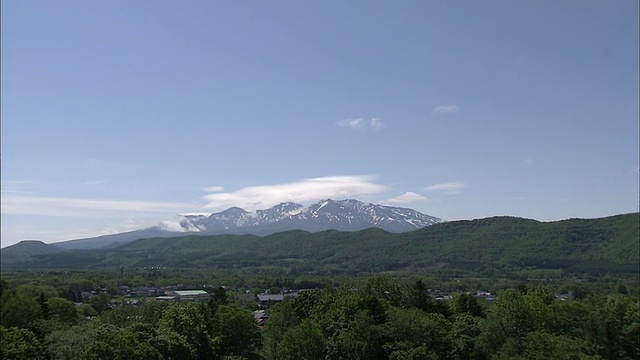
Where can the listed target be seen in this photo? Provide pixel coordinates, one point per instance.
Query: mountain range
(341, 215)
(487, 247)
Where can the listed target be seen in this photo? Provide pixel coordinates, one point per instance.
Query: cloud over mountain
(302, 191)
(407, 197)
(449, 188)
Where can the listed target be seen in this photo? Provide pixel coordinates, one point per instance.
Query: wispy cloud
(16, 191)
(446, 109)
(68, 229)
(58, 206)
(16, 187)
(303, 191)
(527, 162)
(375, 123)
(361, 124)
(448, 188)
(213, 189)
(95, 182)
(407, 197)
(15, 182)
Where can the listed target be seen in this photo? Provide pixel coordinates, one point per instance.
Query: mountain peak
(232, 211)
(327, 214)
(285, 206)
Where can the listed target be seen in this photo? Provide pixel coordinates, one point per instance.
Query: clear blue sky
(117, 115)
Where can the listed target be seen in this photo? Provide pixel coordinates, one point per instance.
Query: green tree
(173, 345)
(100, 302)
(19, 310)
(465, 328)
(539, 345)
(304, 341)
(62, 311)
(282, 317)
(360, 339)
(571, 317)
(70, 343)
(508, 322)
(513, 313)
(119, 344)
(87, 310)
(18, 344)
(218, 297)
(385, 289)
(4, 286)
(237, 333)
(36, 290)
(189, 321)
(420, 297)
(464, 303)
(413, 332)
(75, 288)
(306, 301)
(617, 334)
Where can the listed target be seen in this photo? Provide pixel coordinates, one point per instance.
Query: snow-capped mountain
(343, 215)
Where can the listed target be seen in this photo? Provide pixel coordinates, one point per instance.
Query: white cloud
(527, 162)
(407, 197)
(56, 206)
(376, 123)
(352, 123)
(213, 189)
(177, 224)
(95, 182)
(68, 228)
(303, 191)
(361, 124)
(16, 187)
(446, 109)
(448, 188)
(15, 182)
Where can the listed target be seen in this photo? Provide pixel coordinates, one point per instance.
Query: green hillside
(490, 247)
(24, 250)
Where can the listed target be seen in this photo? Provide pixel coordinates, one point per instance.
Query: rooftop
(190, 292)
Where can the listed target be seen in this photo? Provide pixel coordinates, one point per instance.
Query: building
(260, 316)
(268, 299)
(185, 296)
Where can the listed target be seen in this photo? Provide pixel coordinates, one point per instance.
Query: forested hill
(487, 246)
(25, 250)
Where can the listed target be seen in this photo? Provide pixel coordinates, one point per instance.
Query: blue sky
(117, 115)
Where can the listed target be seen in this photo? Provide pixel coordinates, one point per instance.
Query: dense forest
(379, 317)
(491, 247)
(497, 288)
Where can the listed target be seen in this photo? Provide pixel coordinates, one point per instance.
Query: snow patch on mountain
(342, 215)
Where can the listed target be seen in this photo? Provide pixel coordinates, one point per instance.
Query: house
(484, 295)
(268, 299)
(192, 295)
(87, 295)
(143, 291)
(185, 296)
(260, 316)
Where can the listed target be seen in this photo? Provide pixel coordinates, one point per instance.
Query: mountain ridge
(486, 247)
(341, 215)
